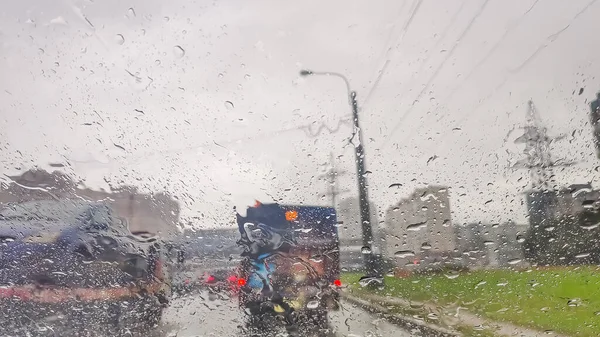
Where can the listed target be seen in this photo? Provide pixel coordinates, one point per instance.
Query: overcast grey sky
(203, 99)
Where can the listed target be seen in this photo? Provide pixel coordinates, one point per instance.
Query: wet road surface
(205, 315)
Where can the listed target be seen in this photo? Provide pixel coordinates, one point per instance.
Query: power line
(308, 129)
(403, 32)
(437, 71)
(554, 36)
(436, 46)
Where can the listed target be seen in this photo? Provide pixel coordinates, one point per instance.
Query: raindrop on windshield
(452, 274)
(229, 105)
(370, 280)
(416, 226)
(178, 51)
(119, 39)
(312, 304)
(365, 250)
(404, 253)
(590, 227)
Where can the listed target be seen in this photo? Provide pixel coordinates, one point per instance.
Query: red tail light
(241, 282)
(210, 279)
(337, 283)
(232, 278)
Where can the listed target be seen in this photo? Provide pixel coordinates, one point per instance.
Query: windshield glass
(312, 168)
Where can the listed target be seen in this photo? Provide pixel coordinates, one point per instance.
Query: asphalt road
(205, 315)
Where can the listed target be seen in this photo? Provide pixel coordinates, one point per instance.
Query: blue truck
(290, 266)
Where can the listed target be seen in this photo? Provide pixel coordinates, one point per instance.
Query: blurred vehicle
(71, 265)
(222, 280)
(291, 266)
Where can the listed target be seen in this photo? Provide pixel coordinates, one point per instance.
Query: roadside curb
(408, 323)
(369, 302)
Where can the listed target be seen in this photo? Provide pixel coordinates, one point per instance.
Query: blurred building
(553, 204)
(418, 229)
(487, 245)
(156, 213)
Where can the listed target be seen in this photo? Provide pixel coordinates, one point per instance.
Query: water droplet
(416, 226)
(574, 302)
(317, 259)
(119, 39)
(178, 51)
(433, 316)
(582, 255)
(370, 280)
(590, 227)
(247, 76)
(404, 254)
(514, 261)
(312, 304)
(365, 250)
(229, 105)
(425, 246)
(220, 75)
(588, 204)
(157, 62)
(488, 243)
(131, 12)
(452, 274)
(520, 238)
(167, 19)
(41, 50)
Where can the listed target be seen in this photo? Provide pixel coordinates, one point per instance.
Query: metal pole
(363, 195)
(371, 263)
(332, 181)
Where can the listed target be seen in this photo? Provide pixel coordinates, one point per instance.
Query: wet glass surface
(269, 168)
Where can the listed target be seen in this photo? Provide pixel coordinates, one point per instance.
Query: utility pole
(372, 263)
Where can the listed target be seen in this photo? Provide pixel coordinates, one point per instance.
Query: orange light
(337, 283)
(291, 215)
(241, 282)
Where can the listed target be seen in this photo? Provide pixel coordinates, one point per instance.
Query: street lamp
(373, 269)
